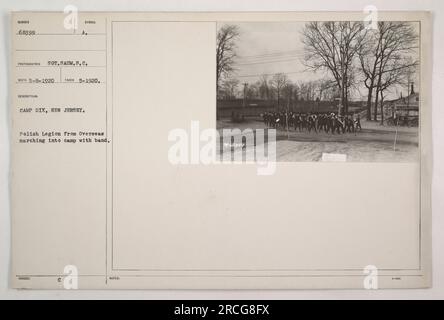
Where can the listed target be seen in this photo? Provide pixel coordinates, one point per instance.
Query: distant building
(405, 109)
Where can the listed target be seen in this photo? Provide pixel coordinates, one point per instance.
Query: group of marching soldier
(327, 122)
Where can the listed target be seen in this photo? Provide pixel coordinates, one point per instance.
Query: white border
(229, 5)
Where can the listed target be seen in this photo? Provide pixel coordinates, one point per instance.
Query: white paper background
(437, 7)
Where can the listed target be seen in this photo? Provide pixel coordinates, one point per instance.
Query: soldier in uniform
(299, 122)
(358, 122)
(349, 125)
(332, 123)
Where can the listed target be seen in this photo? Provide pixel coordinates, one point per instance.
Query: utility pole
(341, 90)
(409, 90)
(244, 104)
(286, 118)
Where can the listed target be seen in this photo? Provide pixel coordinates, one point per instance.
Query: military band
(310, 122)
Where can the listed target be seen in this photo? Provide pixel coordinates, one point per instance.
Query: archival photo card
(266, 150)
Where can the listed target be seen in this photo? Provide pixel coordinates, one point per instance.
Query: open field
(375, 143)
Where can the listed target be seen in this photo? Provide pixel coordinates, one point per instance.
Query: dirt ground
(375, 143)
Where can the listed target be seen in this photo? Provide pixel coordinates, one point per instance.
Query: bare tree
(252, 91)
(399, 40)
(308, 89)
(264, 87)
(383, 51)
(398, 73)
(332, 46)
(287, 94)
(229, 88)
(279, 81)
(369, 58)
(296, 92)
(303, 90)
(225, 51)
(327, 89)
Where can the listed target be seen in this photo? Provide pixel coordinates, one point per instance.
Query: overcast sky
(270, 48)
(273, 47)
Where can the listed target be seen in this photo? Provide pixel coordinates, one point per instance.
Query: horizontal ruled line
(94, 50)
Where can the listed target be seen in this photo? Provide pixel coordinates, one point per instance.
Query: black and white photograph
(344, 90)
